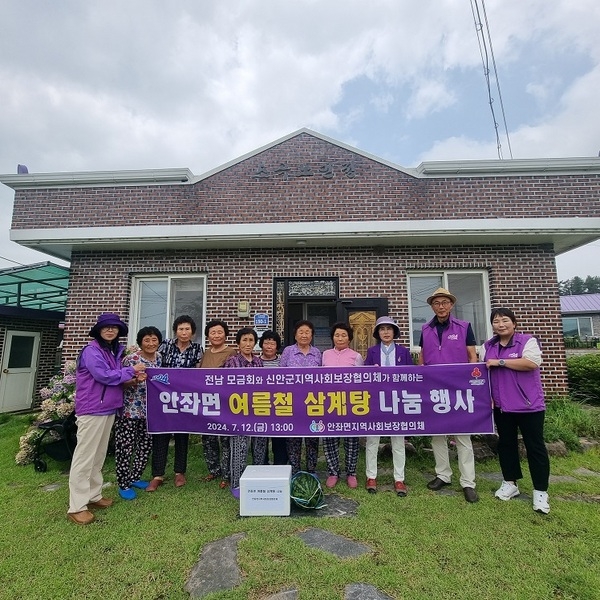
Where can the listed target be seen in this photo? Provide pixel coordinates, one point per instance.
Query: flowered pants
(294, 450)
(239, 455)
(132, 449)
(216, 455)
(331, 446)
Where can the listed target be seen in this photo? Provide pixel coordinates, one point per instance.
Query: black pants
(160, 448)
(531, 425)
(279, 447)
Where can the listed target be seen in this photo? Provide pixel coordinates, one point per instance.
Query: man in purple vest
(444, 340)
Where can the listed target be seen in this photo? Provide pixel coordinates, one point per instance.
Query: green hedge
(584, 377)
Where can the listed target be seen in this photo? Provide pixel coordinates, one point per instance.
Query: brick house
(308, 227)
(581, 323)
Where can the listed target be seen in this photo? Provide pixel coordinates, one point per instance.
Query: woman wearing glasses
(99, 382)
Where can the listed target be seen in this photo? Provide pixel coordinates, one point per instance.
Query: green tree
(592, 285)
(575, 286)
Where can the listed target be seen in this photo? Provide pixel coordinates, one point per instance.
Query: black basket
(58, 441)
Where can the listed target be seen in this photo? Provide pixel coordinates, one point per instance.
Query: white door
(19, 365)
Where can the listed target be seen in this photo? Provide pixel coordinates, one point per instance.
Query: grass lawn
(423, 546)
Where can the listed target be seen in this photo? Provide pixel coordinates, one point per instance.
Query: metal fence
(586, 342)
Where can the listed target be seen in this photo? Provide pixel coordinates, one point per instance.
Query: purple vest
(403, 355)
(453, 347)
(514, 391)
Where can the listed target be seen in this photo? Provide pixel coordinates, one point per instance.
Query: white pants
(398, 456)
(466, 459)
(85, 476)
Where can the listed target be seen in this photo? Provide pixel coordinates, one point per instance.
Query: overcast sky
(89, 86)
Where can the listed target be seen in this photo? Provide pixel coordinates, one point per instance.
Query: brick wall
(521, 277)
(256, 190)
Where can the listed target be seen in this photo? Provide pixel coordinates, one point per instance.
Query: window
(577, 327)
(159, 300)
(472, 301)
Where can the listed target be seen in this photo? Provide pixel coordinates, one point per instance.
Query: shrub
(568, 420)
(584, 377)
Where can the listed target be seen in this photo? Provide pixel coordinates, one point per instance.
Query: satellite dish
(22, 170)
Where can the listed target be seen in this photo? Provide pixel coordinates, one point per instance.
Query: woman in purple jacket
(98, 397)
(386, 353)
(514, 361)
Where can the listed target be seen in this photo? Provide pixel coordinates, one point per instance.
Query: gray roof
(581, 303)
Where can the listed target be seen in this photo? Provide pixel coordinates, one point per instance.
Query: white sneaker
(507, 491)
(540, 502)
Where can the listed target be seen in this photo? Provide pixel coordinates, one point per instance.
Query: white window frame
(443, 275)
(577, 318)
(136, 295)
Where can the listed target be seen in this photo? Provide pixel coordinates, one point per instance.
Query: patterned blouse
(292, 356)
(173, 357)
(134, 396)
(238, 361)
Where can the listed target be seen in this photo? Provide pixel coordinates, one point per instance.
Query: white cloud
(382, 102)
(431, 96)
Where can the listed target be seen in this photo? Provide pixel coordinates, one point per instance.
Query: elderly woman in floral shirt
(179, 352)
(132, 442)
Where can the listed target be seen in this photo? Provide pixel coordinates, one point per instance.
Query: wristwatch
(501, 362)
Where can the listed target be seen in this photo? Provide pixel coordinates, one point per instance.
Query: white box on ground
(265, 491)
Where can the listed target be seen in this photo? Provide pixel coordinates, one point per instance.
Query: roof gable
(302, 135)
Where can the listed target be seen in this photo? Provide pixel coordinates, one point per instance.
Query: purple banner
(321, 401)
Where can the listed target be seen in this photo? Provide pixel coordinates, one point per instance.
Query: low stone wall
(581, 351)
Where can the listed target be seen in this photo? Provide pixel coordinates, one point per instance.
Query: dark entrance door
(321, 314)
(317, 300)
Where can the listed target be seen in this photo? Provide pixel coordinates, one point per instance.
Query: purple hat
(107, 319)
(385, 321)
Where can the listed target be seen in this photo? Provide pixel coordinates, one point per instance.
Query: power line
(486, 50)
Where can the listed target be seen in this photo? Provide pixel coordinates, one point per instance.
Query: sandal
(209, 477)
(224, 484)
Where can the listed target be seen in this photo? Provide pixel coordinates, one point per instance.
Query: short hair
(245, 331)
(503, 312)
(215, 323)
(302, 323)
(344, 326)
(184, 319)
(150, 330)
(270, 335)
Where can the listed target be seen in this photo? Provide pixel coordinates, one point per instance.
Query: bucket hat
(385, 321)
(107, 319)
(441, 292)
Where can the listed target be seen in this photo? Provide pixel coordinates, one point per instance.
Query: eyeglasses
(441, 303)
(111, 327)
